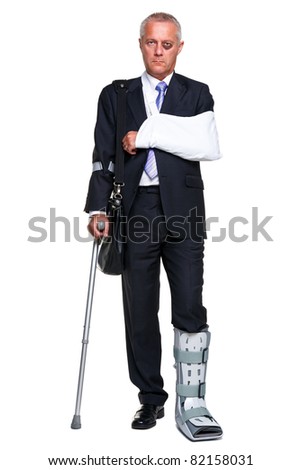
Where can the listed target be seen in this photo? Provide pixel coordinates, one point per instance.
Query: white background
(55, 58)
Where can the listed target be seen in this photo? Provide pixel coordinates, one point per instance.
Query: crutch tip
(76, 424)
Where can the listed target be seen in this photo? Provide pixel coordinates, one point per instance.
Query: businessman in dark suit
(169, 120)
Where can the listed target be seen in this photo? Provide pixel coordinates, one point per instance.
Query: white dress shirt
(150, 95)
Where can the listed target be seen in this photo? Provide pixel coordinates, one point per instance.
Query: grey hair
(161, 17)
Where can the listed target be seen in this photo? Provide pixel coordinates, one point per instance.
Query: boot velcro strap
(191, 391)
(195, 413)
(191, 357)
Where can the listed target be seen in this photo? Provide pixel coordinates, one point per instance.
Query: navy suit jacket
(181, 185)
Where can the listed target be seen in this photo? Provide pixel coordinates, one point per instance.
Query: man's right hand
(129, 142)
(92, 226)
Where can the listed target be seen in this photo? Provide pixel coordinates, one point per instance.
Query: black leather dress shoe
(146, 417)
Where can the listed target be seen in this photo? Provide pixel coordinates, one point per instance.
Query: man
(170, 128)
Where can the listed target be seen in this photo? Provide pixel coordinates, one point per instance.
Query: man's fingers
(99, 228)
(129, 142)
(93, 230)
(105, 232)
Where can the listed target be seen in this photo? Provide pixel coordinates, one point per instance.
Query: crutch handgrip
(101, 226)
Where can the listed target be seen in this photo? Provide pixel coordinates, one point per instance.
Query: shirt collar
(153, 82)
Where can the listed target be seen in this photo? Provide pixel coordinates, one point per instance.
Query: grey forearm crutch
(76, 422)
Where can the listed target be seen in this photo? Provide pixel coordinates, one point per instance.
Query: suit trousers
(149, 241)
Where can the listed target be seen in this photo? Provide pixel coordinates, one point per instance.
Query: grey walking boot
(192, 417)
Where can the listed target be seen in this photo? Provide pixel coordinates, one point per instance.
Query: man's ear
(140, 43)
(180, 46)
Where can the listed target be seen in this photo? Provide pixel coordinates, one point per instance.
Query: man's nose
(159, 49)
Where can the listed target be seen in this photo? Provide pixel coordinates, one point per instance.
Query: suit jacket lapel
(174, 94)
(172, 100)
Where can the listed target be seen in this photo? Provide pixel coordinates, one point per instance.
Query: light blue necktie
(151, 165)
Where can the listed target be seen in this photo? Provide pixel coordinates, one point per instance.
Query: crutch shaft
(76, 422)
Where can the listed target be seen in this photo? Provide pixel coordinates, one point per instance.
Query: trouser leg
(183, 262)
(141, 286)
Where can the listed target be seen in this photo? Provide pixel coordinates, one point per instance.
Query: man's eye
(167, 45)
(150, 43)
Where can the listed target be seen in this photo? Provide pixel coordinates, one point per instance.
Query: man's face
(160, 48)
